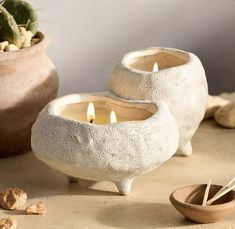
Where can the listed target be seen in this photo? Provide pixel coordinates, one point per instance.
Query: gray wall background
(89, 36)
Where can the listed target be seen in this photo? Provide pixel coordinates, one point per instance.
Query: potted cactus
(28, 79)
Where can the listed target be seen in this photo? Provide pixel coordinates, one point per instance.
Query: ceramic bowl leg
(186, 149)
(72, 179)
(124, 186)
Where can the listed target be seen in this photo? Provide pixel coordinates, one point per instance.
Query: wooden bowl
(188, 201)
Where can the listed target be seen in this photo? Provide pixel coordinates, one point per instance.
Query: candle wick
(92, 120)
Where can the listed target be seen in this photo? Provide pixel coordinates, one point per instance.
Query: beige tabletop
(98, 205)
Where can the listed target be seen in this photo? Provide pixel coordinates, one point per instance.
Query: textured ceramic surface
(188, 201)
(28, 81)
(180, 82)
(115, 152)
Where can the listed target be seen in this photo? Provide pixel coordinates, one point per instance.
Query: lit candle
(99, 111)
(113, 117)
(91, 112)
(155, 67)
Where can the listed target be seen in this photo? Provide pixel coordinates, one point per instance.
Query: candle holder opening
(103, 106)
(144, 60)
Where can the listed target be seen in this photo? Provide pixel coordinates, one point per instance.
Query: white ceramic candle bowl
(115, 152)
(180, 82)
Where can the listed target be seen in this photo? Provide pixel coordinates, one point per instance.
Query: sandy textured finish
(97, 205)
(180, 82)
(28, 81)
(116, 152)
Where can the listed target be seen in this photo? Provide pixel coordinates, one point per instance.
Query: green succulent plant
(15, 14)
(8, 27)
(23, 13)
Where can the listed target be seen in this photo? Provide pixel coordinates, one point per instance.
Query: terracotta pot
(180, 82)
(28, 81)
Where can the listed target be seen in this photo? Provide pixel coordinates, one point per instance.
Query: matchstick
(206, 193)
(226, 186)
(216, 197)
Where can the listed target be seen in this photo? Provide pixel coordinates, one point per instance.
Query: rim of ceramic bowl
(29, 51)
(56, 104)
(150, 51)
(200, 207)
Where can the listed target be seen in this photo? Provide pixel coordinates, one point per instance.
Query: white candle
(98, 112)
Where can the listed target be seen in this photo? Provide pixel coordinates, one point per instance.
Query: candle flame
(155, 67)
(113, 117)
(90, 112)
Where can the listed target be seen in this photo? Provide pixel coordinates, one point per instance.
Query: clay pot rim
(150, 51)
(55, 105)
(26, 52)
(217, 207)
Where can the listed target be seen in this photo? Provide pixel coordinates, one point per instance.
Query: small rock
(12, 47)
(3, 45)
(13, 198)
(23, 35)
(213, 104)
(23, 31)
(36, 209)
(225, 116)
(8, 223)
(28, 38)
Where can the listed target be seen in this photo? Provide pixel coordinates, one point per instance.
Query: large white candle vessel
(167, 74)
(124, 140)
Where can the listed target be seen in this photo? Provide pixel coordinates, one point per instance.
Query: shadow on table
(39, 180)
(141, 215)
(15, 212)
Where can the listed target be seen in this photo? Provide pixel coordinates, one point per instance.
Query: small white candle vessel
(125, 139)
(174, 76)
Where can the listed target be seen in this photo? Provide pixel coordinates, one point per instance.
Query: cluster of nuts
(222, 110)
(27, 40)
(15, 198)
